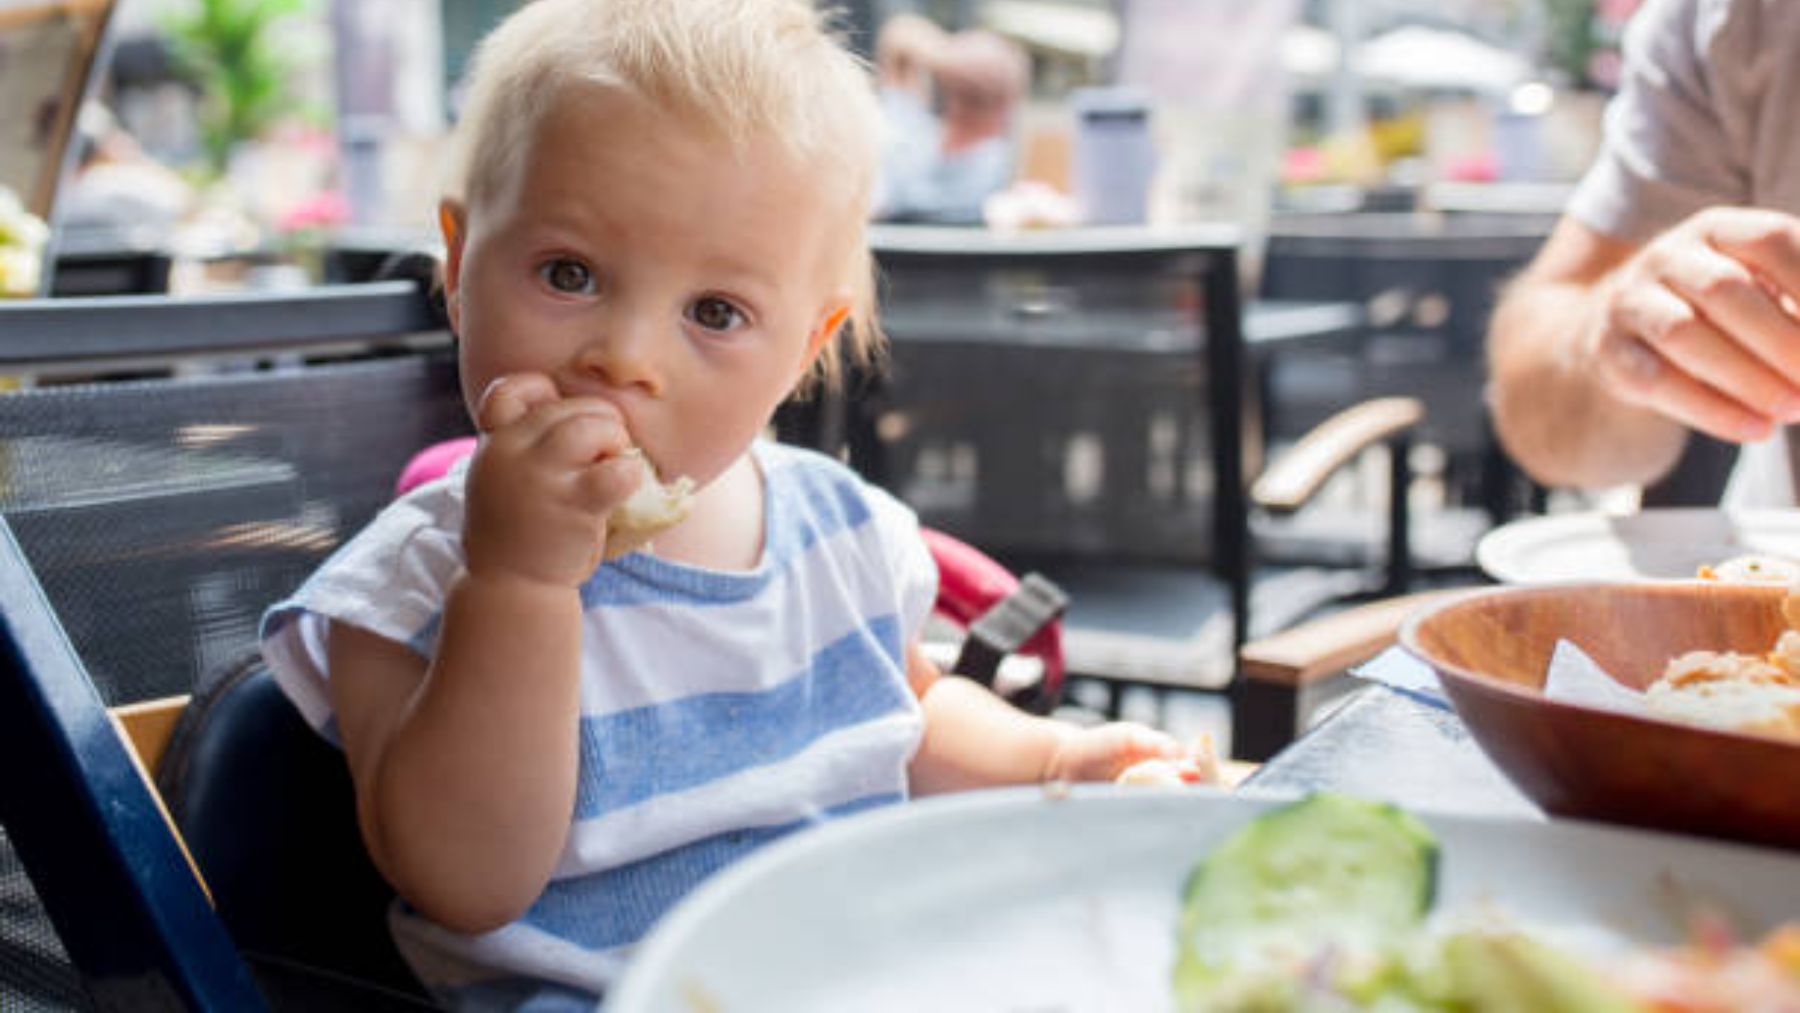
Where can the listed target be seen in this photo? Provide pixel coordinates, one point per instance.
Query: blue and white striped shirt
(718, 710)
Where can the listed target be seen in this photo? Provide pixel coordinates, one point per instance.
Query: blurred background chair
(54, 51)
(1079, 404)
(1428, 283)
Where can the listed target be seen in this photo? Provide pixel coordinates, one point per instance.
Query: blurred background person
(905, 50)
(117, 185)
(979, 79)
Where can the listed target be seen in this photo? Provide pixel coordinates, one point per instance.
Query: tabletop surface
(1393, 744)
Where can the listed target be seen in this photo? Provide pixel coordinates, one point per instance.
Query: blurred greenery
(1570, 39)
(231, 51)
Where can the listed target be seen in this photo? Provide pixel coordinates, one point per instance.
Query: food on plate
(1714, 974)
(1741, 692)
(1199, 767)
(1328, 903)
(1754, 568)
(653, 507)
(1309, 898)
(1755, 693)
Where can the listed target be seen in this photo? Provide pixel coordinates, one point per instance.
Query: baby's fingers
(580, 431)
(1136, 742)
(511, 398)
(610, 481)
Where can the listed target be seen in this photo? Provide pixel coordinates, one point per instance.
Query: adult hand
(548, 473)
(1703, 324)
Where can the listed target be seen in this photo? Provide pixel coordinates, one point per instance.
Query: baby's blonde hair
(747, 69)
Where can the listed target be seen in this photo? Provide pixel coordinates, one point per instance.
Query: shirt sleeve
(915, 574)
(1670, 143)
(391, 579)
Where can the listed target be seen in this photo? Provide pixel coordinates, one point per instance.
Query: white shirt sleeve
(914, 572)
(391, 579)
(1675, 137)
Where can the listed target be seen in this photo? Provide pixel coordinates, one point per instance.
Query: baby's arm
(465, 768)
(973, 739)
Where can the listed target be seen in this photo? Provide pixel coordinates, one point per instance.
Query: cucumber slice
(1327, 877)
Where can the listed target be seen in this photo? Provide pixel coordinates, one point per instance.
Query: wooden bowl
(1490, 650)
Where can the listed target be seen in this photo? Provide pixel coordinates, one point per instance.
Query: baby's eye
(566, 275)
(715, 314)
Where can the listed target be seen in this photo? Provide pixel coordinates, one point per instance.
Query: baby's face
(647, 263)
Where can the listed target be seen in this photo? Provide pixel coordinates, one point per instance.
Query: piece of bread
(653, 507)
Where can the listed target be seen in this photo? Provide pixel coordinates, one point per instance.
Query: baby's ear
(830, 322)
(453, 220)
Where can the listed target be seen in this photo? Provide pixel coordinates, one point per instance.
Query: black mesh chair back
(1429, 285)
(1065, 398)
(1052, 402)
(163, 516)
(128, 912)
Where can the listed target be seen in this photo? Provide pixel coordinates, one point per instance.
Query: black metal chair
(1079, 403)
(1429, 283)
(161, 516)
(130, 914)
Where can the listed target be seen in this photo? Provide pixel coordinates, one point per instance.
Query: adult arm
(1603, 353)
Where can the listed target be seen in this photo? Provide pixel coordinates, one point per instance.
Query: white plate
(1670, 544)
(1011, 900)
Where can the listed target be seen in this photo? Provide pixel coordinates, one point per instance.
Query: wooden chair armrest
(1317, 650)
(1294, 476)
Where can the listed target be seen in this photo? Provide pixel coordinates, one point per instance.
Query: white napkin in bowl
(1573, 677)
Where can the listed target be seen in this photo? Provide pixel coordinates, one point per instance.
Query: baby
(655, 233)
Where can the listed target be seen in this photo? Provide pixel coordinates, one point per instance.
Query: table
(1394, 745)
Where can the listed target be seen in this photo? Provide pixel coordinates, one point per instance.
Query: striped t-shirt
(719, 710)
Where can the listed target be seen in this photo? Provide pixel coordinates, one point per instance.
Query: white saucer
(1669, 544)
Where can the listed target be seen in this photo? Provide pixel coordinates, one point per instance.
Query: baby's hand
(1104, 752)
(548, 472)
(1199, 766)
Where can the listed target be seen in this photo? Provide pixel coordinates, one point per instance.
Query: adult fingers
(1638, 374)
(512, 397)
(1695, 345)
(1766, 241)
(1731, 296)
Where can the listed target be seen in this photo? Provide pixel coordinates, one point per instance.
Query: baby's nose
(624, 356)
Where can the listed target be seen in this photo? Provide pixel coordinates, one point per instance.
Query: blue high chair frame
(131, 912)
